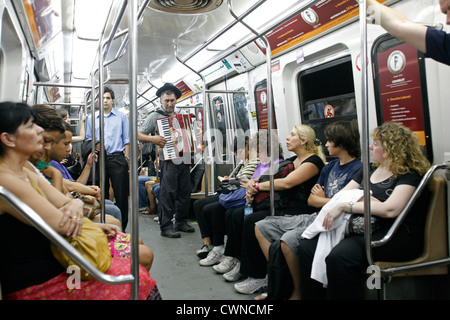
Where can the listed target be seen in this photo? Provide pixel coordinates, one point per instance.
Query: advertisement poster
(321, 17)
(400, 88)
(261, 107)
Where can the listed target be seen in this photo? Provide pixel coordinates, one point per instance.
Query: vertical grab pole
(269, 102)
(102, 153)
(365, 129)
(205, 118)
(132, 18)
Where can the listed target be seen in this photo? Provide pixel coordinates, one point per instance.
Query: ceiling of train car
(159, 32)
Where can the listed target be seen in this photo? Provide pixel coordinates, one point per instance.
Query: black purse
(355, 225)
(229, 186)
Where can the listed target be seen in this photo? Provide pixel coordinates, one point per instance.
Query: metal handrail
(401, 217)
(35, 219)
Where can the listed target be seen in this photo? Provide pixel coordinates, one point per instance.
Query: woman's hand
(73, 212)
(109, 230)
(332, 214)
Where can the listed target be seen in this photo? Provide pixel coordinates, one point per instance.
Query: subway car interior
(240, 66)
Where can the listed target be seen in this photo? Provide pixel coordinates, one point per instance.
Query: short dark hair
(111, 92)
(48, 118)
(12, 116)
(345, 134)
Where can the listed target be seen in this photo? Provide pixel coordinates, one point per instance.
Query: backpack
(281, 198)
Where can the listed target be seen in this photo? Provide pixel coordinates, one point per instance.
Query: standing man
(434, 43)
(117, 143)
(175, 194)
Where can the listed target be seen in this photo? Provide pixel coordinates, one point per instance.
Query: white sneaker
(212, 258)
(225, 265)
(251, 285)
(203, 252)
(234, 274)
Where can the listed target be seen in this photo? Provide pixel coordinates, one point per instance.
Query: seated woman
(210, 213)
(28, 269)
(295, 189)
(399, 165)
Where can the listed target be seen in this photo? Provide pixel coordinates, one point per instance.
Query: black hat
(171, 87)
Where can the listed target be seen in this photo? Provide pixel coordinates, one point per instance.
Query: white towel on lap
(329, 238)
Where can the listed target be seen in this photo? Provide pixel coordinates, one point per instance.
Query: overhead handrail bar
(62, 85)
(263, 32)
(269, 101)
(221, 32)
(36, 220)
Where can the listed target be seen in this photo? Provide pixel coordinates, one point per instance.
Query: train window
(240, 111)
(400, 87)
(327, 94)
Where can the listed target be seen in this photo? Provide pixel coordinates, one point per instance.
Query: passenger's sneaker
(251, 285)
(234, 274)
(203, 251)
(225, 265)
(212, 258)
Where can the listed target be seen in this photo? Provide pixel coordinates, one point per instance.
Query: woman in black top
(399, 165)
(294, 191)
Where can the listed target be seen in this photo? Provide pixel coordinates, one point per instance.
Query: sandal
(149, 211)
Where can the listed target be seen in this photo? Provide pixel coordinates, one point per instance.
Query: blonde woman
(399, 165)
(293, 191)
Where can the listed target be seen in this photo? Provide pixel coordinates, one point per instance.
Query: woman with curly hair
(399, 165)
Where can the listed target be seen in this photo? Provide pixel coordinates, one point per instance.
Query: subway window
(327, 94)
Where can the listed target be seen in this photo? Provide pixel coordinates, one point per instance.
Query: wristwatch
(351, 203)
(127, 158)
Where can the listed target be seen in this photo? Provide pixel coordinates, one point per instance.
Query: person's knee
(145, 256)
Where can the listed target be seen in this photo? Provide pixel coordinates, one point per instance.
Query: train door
(14, 69)
(327, 95)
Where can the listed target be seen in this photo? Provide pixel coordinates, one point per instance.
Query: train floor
(176, 269)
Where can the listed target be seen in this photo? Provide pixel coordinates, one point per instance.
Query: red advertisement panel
(400, 88)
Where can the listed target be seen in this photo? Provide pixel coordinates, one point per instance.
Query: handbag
(233, 199)
(91, 205)
(355, 225)
(92, 243)
(229, 186)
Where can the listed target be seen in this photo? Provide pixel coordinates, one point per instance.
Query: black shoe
(170, 233)
(185, 227)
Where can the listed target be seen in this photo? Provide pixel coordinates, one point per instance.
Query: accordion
(180, 131)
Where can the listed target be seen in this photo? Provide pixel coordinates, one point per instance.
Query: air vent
(185, 6)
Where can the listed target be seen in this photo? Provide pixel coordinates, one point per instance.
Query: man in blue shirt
(117, 143)
(434, 43)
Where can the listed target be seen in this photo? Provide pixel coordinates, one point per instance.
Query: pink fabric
(57, 289)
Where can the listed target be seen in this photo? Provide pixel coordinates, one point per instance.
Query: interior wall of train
(316, 66)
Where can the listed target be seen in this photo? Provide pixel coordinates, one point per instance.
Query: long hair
(402, 152)
(12, 116)
(307, 133)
